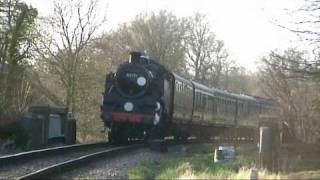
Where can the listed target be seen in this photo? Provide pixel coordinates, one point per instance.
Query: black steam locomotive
(145, 100)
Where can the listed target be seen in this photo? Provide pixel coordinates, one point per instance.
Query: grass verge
(200, 165)
(196, 165)
(303, 175)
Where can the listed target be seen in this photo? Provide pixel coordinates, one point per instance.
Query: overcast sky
(244, 25)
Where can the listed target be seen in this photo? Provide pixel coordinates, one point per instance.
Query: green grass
(196, 166)
(190, 166)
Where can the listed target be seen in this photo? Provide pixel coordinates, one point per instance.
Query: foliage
(16, 31)
(158, 35)
(16, 34)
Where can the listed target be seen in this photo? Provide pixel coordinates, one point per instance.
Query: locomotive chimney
(134, 57)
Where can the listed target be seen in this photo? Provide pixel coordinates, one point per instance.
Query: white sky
(244, 25)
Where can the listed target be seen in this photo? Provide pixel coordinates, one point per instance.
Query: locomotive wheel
(155, 133)
(118, 134)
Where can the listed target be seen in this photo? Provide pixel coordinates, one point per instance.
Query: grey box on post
(224, 153)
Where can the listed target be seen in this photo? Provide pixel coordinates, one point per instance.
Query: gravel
(17, 170)
(118, 166)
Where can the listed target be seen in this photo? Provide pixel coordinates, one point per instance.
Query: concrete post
(265, 155)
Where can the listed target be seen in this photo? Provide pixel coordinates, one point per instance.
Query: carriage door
(167, 95)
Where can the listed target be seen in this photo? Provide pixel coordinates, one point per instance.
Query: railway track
(52, 162)
(47, 162)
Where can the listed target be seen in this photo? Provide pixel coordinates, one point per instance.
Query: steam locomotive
(144, 100)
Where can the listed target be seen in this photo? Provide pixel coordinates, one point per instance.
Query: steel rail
(59, 168)
(41, 153)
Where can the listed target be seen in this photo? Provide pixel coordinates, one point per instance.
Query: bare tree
(221, 64)
(204, 52)
(305, 22)
(62, 40)
(295, 94)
